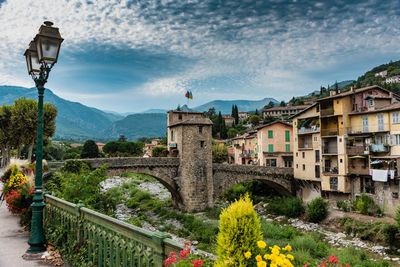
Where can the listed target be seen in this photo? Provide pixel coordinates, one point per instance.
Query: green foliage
(54, 151)
(75, 166)
(219, 153)
(343, 205)
(160, 151)
(366, 205)
(239, 231)
(236, 191)
(288, 206)
(317, 210)
(90, 150)
(123, 148)
(370, 231)
(357, 258)
(232, 132)
(390, 231)
(254, 119)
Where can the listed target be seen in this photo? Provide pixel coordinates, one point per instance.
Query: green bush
(371, 231)
(239, 231)
(390, 231)
(366, 205)
(236, 191)
(317, 210)
(75, 166)
(343, 205)
(287, 206)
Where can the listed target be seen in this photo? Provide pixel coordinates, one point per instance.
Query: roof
(286, 107)
(247, 135)
(304, 110)
(274, 122)
(185, 112)
(389, 107)
(359, 90)
(193, 121)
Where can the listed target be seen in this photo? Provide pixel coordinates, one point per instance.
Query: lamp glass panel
(49, 49)
(35, 62)
(28, 63)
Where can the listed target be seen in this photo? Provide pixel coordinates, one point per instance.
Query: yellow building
(245, 149)
(275, 144)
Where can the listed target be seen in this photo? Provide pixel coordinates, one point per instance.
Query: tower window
(180, 116)
(201, 143)
(200, 129)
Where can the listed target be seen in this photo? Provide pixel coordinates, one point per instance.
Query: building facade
(245, 149)
(282, 112)
(275, 144)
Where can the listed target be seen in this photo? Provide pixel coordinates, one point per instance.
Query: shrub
(90, 150)
(288, 206)
(366, 205)
(390, 231)
(317, 210)
(235, 192)
(343, 205)
(75, 166)
(239, 231)
(160, 151)
(371, 231)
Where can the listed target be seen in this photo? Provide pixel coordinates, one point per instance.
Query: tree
(254, 119)
(5, 134)
(270, 104)
(90, 150)
(159, 151)
(219, 153)
(236, 115)
(224, 131)
(232, 132)
(256, 113)
(282, 104)
(122, 138)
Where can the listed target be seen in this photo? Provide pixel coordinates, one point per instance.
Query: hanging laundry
(379, 175)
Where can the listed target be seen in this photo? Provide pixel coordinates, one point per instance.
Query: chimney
(332, 92)
(352, 89)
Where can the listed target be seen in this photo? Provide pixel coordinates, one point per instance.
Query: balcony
(333, 170)
(368, 128)
(331, 132)
(357, 150)
(327, 112)
(305, 142)
(379, 148)
(330, 146)
(358, 167)
(313, 129)
(248, 154)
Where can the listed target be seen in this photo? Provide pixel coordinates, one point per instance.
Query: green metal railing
(110, 242)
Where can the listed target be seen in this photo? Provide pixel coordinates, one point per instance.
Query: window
(172, 135)
(317, 108)
(287, 147)
(270, 162)
(315, 138)
(304, 155)
(180, 116)
(297, 166)
(201, 143)
(396, 139)
(297, 154)
(288, 164)
(395, 117)
(304, 167)
(365, 124)
(200, 129)
(333, 183)
(287, 136)
(270, 134)
(381, 125)
(270, 148)
(370, 102)
(341, 160)
(317, 156)
(317, 171)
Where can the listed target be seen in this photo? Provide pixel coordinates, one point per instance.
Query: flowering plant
(271, 256)
(332, 261)
(186, 259)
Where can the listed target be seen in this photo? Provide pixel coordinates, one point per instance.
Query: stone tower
(190, 138)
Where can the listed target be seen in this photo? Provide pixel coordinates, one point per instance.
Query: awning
(357, 157)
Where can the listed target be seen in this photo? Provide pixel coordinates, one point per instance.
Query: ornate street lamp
(41, 56)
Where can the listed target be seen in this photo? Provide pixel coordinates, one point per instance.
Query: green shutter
(287, 147)
(270, 148)
(270, 134)
(287, 136)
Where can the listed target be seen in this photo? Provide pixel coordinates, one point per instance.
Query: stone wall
(225, 176)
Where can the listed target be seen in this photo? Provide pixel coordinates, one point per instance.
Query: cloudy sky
(135, 55)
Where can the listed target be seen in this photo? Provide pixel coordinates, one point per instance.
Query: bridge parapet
(114, 163)
(283, 173)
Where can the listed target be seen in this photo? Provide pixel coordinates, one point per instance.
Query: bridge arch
(225, 176)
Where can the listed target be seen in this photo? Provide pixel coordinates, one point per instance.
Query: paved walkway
(13, 240)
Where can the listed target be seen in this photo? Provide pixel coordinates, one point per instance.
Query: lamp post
(41, 56)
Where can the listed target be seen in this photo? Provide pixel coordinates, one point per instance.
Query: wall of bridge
(225, 176)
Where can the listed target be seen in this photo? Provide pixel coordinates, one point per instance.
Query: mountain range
(79, 122)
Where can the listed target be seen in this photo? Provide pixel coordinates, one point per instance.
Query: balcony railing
(331, 170)
(330, 150)
(327, 112)
(370, 128)
(250, 154)
(309, 130)
(331, 132)
(356, 150)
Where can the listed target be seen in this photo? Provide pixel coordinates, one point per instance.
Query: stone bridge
(201, 192)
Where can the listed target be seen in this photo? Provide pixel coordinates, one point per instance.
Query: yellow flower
(247, 254)
(290, 257)
(288, 248)
(258, 258)
(261, 264)
(261, 244)
(273, 265)
(266, 256)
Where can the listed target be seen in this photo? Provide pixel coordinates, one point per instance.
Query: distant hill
(74, 120)
(138, 125)
(154, 110)
(225, 106)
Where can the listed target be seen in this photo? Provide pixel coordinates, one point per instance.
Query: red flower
(323, 264)
(305, 265)
(333, 259)
(184, 252)
(198, 263)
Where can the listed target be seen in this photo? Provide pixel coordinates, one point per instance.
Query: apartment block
(245, 149)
